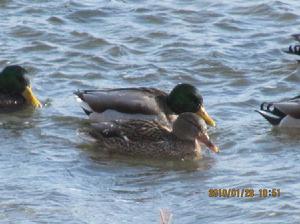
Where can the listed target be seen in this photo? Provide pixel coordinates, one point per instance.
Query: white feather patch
(289, 121)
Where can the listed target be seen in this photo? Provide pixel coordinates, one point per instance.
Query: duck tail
(293, 49)
(80, 99)
(79, 95)
(271, 113)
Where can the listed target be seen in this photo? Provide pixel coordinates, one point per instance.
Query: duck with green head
(15, 89)
(151, 139)
(142, 103)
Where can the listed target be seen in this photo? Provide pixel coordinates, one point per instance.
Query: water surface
(52, 172)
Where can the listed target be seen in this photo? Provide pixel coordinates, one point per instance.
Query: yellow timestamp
(244, 192)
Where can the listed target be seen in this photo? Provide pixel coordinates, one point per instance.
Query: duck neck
(170, 104)
(1, 81)
(164, 104)
(3, 86)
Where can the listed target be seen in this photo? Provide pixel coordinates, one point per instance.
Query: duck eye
(23, 80)
(197, 102)
(20, 79)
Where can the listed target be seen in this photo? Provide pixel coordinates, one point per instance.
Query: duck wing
(133, 130)
(147, 101)
(291, 107)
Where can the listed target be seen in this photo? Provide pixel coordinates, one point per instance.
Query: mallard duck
(142, 103)
(283, 114)
(151, 139)
(15, 90)
(294, 49)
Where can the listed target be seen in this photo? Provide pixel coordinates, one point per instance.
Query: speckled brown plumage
(151, 139)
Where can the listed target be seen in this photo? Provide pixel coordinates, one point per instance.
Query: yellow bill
(204, 115)
(30, 98)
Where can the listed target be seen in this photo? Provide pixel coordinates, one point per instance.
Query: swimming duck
(15, 90)
(142, 103)
(151, 139)
(294, 49)
(283, 114)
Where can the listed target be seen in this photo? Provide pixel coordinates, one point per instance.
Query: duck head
(13, 81)
(189, 127)
(186, 98)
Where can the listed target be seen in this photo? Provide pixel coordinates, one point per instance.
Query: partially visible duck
(15, 89)
(150, 139)
(283, 113)
(142, 103)
(294, 49)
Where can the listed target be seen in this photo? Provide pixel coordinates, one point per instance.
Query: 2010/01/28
(240, 193)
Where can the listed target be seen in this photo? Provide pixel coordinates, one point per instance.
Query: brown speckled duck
(151, 139)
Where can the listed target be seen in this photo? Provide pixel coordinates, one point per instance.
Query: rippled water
(52, 172)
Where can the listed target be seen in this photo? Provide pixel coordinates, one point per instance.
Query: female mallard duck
(283, 114)
(142, 103)
(151, 139)
(15, 90)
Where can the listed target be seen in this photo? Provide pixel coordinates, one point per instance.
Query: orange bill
(204, 138)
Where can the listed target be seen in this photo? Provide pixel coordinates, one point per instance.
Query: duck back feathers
(124, 100)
